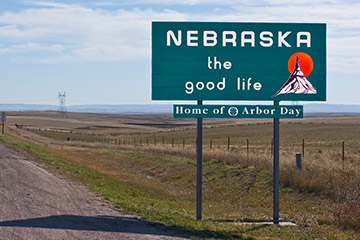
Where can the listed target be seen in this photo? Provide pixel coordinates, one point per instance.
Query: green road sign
(238, 61)
(237, 111)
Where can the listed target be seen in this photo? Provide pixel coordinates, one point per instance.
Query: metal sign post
(276, 218)
(275, 111)
(199, 142)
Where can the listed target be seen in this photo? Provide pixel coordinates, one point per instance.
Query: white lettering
(249, 84)
(227, 65)
(282, 40)
(246, 85)
(189, 87)
(229, 38)
(179, 110)
(245, 111)
(196, 111)
(257, 86)
(266, 39)
(250, 40)
(232, 39)
(171, 34)
(222, 110)
(191, 38)
(303, 40)
(216, 64)
(209, 63)
(210, 85)
(258, 111)
(200, 86)
(283, 110)
(221, 85)
(210, 38)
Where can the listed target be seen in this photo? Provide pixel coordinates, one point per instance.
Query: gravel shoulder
(36, 204)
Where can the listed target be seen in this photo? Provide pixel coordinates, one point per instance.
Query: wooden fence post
(303, 147)
(343, 153)
(228, 145)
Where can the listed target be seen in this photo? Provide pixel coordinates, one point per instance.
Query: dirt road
(35, 204)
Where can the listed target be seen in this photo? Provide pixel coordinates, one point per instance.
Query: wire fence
(245, 145)
(341, 150)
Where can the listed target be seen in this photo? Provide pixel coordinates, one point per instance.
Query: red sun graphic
(306, 63)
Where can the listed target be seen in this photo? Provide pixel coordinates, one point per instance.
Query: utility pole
(62, 106)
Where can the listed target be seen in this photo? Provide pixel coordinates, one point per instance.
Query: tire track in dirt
(35, 204)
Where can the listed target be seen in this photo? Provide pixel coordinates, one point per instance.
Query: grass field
(157, 181)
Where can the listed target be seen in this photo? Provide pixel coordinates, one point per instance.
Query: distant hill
(312, 108)
(331, 108)
(121, 109)
(27, 107)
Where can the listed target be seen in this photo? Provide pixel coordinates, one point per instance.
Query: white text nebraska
(230, 38)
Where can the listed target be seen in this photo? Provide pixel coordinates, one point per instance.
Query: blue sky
(99, 51)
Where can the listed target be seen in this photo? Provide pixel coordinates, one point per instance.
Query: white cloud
(59, 31)
(84, 33)
(47, 4)
(342, 19)
(344, 54)
(179, 2)
(31, 47)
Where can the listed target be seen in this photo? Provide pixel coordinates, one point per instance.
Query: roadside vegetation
(155, 177)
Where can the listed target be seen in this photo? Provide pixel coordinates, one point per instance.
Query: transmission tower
(62, 106)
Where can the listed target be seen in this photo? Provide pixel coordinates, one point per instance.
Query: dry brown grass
(347, 212)
(323, 168)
